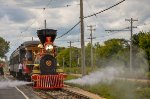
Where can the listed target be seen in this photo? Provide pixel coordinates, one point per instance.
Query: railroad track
(52, 94)
(62, 94)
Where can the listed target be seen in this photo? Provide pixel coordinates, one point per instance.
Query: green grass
(119, 90)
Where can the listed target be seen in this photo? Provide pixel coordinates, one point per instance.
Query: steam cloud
(10, 83)
(102, 75)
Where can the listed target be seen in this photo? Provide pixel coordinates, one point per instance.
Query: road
(14, 92)
(11, 93)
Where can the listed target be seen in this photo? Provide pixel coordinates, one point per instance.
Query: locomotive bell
(44, 33)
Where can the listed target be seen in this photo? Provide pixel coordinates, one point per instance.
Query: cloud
(15, 14)
(18, 15)
(21, 18)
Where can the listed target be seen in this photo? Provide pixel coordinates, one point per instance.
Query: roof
(25, 44)
(29, 43)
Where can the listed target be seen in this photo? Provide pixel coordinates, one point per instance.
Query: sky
(20, 19)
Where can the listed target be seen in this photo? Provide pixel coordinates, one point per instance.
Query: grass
(119, 90)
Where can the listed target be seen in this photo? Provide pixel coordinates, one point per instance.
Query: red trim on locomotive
(48, 81)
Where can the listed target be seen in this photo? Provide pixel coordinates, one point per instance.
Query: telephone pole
(91, 37)
(45, 23)
(131, 21)
(63, 62)
(82, 39)
(70, 43)
(32, 38)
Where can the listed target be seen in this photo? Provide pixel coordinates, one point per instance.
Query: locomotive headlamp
(49, 47)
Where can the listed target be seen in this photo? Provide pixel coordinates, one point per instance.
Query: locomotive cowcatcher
(45, 74)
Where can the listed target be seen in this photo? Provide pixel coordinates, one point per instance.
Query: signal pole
(131, 21)
(82, 39)
(70, 54)
(91, 37)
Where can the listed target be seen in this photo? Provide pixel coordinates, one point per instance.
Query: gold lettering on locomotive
(48, 63)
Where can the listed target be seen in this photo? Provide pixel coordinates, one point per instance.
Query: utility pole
(63, 62)
(91, 37)
(32, 38)
(45, 26)
(70, 43)
(78, 61)
(131, 21)
(45, 23)
(82, 39)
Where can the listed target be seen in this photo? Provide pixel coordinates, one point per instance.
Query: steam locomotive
(39, 61)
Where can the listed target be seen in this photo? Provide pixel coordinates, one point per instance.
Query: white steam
(10, 83)
(102, 75)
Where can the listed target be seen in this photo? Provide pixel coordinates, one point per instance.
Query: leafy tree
(88, 55)
(4, 47)
(142, 40)
(65, 53)
(59, 49)
(116, 50)
(110, 48)
(97, 57)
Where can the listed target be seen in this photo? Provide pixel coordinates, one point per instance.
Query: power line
(104, 9)
(90, 16)
(68, 5)
(144, 24)
(82, 32)
(114, 30)
(68, 30)
(90, 6)
(27, 28)
(94, 12)
(37, 17)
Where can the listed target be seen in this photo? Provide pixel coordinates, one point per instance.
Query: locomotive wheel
(48, 65)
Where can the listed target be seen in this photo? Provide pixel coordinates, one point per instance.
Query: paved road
(20, 92)
(10, 93)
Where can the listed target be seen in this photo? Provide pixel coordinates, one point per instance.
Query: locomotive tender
(39, 61)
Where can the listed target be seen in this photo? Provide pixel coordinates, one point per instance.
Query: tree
(4, 47)
(65, 53)
(142, 40)
(112, 49)
(88, 55)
